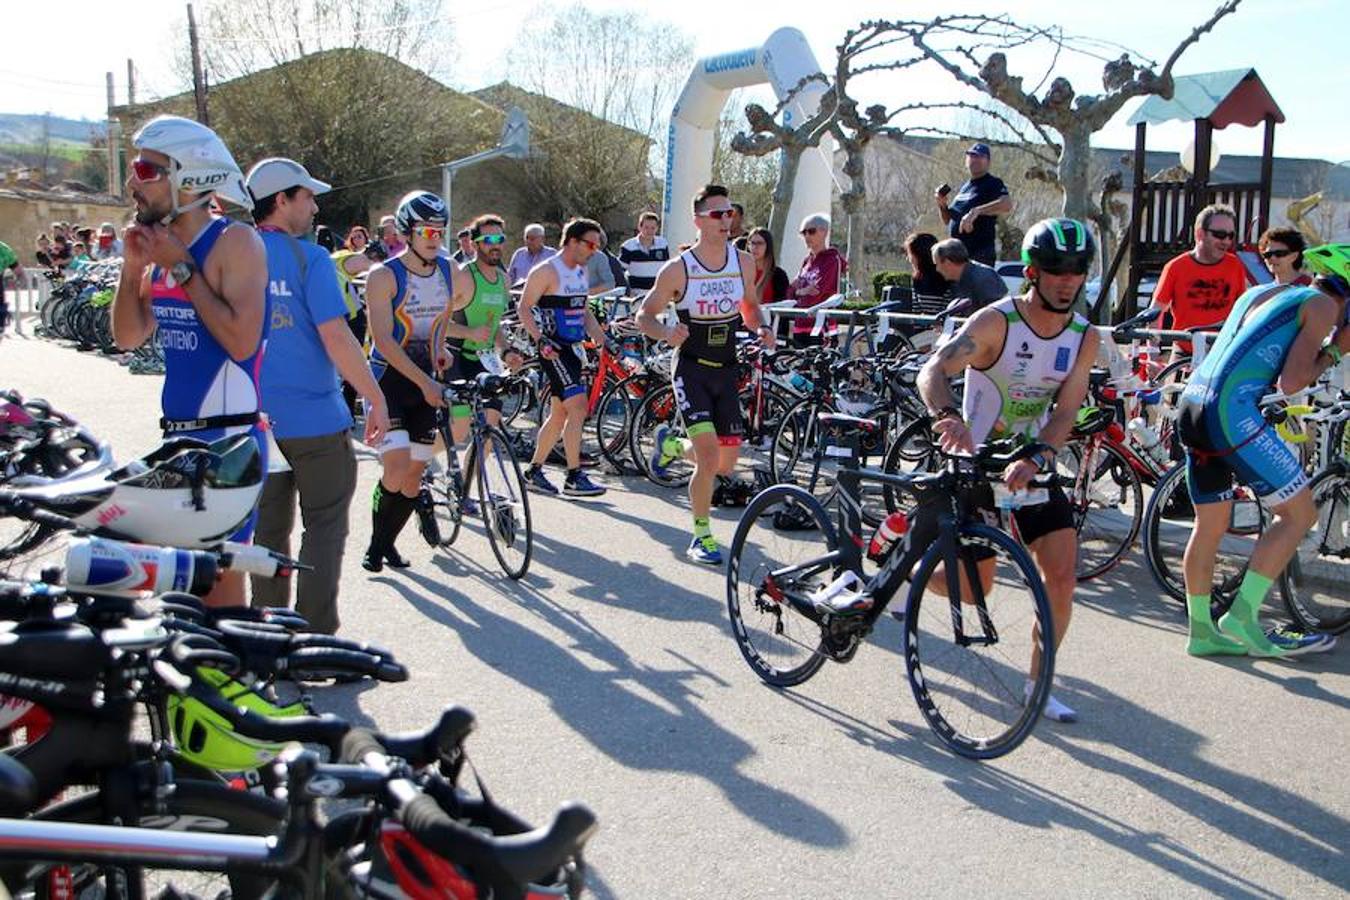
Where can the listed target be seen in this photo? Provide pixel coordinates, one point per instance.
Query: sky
(44, 67)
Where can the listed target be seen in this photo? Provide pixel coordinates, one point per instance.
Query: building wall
(23, 218)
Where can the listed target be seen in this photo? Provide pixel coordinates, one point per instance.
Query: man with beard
(201, 280)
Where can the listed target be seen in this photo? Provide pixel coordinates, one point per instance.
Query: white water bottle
(891, 528)
(1147, 438)
(101, 566)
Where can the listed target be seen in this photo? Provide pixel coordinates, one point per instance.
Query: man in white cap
(309, 347)
(197, 282)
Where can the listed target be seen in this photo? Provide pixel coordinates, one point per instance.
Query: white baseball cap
(277, 174)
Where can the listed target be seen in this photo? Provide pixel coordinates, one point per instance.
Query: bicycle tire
(774, 404)
(613, 416)
(447, 495)
(659, 407)
(798, 439)
(192, 806)
(1320, 569)
(503, 530)
(741, 563)
(913, 450)
(1095, 505)
(924, 668)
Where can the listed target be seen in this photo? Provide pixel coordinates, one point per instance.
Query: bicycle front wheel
(980, 669)
(784, 543)
(447, 498)
(1317, 576)
(504, 504)
(1108, 504)
(656, 409)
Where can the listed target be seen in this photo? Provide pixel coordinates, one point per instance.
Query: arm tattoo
(960, 351)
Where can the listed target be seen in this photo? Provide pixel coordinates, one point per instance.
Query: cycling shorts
(564, 372)
(469, 369)
(709, 400)
(1262, 461)
(1033, 522)
(412, 421)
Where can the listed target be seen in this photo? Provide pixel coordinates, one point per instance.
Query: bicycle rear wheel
(1108, 504)
(766, 558)
(975, 694)
(798, 455)
(447, 496)
(504, 503)
(1317, 597)
(656, 409)
(613, 416)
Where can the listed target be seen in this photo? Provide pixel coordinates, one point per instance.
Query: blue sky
(59, 66)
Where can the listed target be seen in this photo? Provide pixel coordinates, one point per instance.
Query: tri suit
(706, 379)
(561, 318)
(489, 304)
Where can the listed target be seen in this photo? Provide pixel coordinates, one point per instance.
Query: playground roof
(1225, 98)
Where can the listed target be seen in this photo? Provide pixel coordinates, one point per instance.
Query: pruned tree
(1054, 125)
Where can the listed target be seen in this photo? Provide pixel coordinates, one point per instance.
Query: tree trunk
(782, 193)
(1075, 157)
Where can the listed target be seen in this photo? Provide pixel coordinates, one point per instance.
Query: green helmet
(1059, 246)
(204, 738)
(1329, 259)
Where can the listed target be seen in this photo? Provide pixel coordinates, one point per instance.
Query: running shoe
(661, 458)
(538, 482)
(705, 550)
(1296, 643)
(579, 484)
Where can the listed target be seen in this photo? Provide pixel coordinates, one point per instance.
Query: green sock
(702, 527)
(1205, 640)
(1240, 621)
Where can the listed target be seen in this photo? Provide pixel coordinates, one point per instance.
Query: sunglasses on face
(1067, 267)
(1222, 235)
(718, 214)
(594, 245)
(428, 232)
(491, 240)
(1276, 254)
(145, 170)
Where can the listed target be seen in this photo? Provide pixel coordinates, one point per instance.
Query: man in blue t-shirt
(970, 215)
(309, 347)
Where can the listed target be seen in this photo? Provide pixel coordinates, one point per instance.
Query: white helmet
(201, 163)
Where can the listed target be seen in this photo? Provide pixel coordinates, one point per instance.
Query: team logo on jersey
(1062, 359)
(1024, 352)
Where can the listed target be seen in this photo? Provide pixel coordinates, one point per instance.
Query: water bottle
(801, 383)
(894, 525)
(119, 568)
(1147, 438)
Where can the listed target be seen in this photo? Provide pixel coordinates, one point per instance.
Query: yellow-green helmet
(207, 740)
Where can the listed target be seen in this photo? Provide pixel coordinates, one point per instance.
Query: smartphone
(944, 189)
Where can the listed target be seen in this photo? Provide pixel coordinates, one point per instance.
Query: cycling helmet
(1058, 245)
(184, 494)
(206, 739)
(420, 206)
(1331, 264)
(202, 164)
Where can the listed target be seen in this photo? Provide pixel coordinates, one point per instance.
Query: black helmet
(418, 207)
(1058, 247)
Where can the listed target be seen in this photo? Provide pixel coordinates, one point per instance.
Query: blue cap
(978, 150)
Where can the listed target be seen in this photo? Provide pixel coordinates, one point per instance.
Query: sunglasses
(429, 232)
(145, 170)
(491, 240)
(1222, 235)
(718, 214)
(594, 245)
(1066, 267)
(811, 230)
(1276, 254)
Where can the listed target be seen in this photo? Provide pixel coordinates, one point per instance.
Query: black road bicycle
(979, 653)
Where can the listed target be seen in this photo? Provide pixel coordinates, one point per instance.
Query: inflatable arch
(783, 61)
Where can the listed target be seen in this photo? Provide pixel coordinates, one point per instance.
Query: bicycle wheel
(192, 806)
(913, 450)
(613, 416)
(974, 693)
(782, 646)
(503, 502)
(1318, 574)
(1108, 504)
(656, 409)
(798, 456)
(1168, 522)
(447, 497)
(763, 418)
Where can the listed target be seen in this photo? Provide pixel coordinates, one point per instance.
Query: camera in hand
(944, 189)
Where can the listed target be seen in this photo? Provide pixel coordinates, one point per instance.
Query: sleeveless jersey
(488, 304)
(1245, 361)
(200, 379)
(711, 307)
(1012, 397)
(562, 316)
(419, 301)
(350, 295)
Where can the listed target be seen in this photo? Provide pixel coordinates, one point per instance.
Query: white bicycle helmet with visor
(200, 162)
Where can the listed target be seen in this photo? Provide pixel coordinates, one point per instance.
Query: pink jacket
(818, 280)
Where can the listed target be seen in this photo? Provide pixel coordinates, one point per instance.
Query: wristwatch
(182, 272)
(947, 412)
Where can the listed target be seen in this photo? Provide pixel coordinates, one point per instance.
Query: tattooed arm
(977, 344)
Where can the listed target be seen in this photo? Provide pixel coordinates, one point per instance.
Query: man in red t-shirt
(1199, 287)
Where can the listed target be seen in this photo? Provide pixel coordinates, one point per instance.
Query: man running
(1280, 336)
(201, 281)
(554, 312)
(1026, 362)
(712, 287)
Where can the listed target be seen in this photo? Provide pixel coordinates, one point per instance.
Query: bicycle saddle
(1093, 420)
(843, 421)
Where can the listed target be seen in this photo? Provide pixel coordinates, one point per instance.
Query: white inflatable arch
(783, 61)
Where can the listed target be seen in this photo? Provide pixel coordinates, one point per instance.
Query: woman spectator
(80, 258)
(1282, 249)
(821, 274)
(351, 260)
(43, 251)
(61, 253)
(926, 281)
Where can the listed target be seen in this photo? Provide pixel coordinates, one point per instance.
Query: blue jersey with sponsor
(562, 316)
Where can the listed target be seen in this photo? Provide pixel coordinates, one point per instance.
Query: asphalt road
(610, 675)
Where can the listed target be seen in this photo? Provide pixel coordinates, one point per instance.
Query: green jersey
(489, 303)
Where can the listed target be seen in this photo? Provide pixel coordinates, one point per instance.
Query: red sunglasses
(145, 170)
(717, 213)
